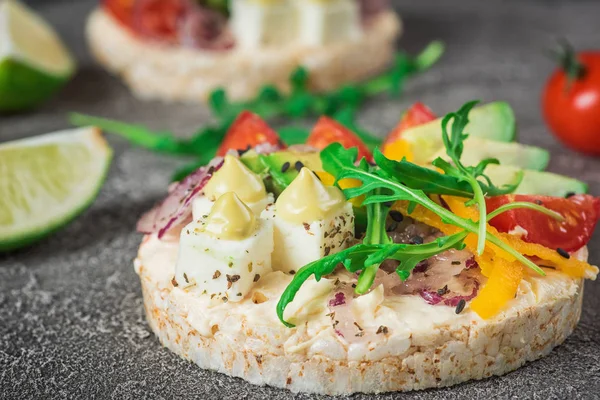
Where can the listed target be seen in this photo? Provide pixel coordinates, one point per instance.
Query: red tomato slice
(328, 131)
(581, 212)
(248, 130)
(121, 10)
(417, 114)
(159, 19)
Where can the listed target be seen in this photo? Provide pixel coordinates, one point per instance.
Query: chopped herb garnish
(270, 103)
(382, 329)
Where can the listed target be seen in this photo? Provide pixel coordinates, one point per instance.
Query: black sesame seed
(292, 272)
(456, 262)
(298, 165)
(570, 194)
(443, 290)
(285, 166)
(241, 152)
(538, 202)
(416, 240)
(460, 306)
(563, 253)
(388, 204)
(396, 215)
(392, 227)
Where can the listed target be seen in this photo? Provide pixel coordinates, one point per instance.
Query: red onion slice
(177, 207)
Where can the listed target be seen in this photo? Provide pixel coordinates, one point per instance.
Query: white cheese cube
(326, 22)
(258, 24)
(299, 244)
(226, 270)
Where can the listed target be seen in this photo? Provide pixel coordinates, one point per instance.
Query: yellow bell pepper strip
(572, 267)
(500, 288)
(398, 150)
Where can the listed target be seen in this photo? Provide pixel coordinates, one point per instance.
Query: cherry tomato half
(248, 130)
(416, 115)
(581, 213)
(160, 19)
(571, 103)
(328, 131)
(121, 10)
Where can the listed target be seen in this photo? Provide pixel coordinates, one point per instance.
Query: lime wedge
(48, 180)
(34, 63)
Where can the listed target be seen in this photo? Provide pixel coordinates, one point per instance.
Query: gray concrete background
(71, 317)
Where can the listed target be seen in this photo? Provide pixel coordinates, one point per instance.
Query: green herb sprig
(363, 256)
(339, 162)
(454, 143)
(271, 103)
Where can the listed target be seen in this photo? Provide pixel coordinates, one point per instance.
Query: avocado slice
(536, 182)
(494, 121)
(512, 154)
(274, 162)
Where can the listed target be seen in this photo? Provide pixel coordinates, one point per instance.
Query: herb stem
(480, 199)
(523, 204)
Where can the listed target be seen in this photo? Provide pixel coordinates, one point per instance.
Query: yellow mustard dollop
(235, 177)
(307, 200)
(230, 219)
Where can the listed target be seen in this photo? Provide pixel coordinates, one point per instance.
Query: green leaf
(299, 79)
(292, 135)
(422, 178)
(361, 257)
(137, 135)
(428, 56)
(218, 102)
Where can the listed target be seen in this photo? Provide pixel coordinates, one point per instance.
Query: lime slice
(34, 63)
(48, 180)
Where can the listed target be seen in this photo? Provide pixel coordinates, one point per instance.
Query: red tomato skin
(121, 10)
(581, 213)
(572, 110)
(248, 130)
(417, 114)
(327, 131)
(159, 19)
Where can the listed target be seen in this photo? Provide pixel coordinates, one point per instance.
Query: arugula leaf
(454, 143)
(361, 257)
(375, 234)
(203, 145)
(138, 135)
(339, 162)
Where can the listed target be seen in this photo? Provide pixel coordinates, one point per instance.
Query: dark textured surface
(71, 317)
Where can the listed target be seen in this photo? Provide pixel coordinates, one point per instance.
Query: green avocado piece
(270, 167)
(511, 153)
(494, 121)
(536, 182)
(273, 164)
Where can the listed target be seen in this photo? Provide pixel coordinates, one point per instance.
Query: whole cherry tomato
(571, 101)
